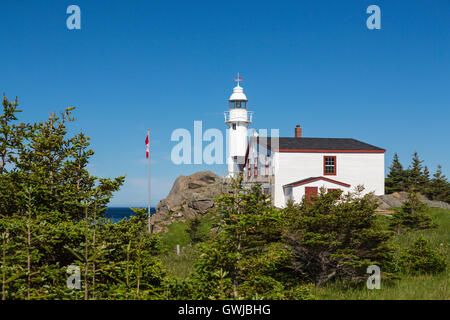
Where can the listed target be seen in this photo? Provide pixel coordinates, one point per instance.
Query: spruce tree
(425, 190)
(195, 235)
(12, 134)
(426, 176)
(439, 187)
(415, 174)
(396, 178)
(411, 215)
(423, 258)
(246, 259)
(12, 138)
(43, 180)
(337, 239)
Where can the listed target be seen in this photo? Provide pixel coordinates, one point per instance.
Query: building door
(311, 191)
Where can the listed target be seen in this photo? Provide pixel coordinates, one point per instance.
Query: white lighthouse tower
(237, 119)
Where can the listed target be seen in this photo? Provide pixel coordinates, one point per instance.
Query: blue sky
(164, 64)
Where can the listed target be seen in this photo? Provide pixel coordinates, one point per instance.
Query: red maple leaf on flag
(147, 144)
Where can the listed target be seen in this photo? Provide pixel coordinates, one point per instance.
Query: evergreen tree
(426, 175)
(130, 267)
(422, 258)
(11, 134)
(194, 232)
(439, 187)
(425, 181)
(43, 180)
(52, 216)
(411, 215)
(337, 239)
(396, 179)
(12, 138)
(57, 166)
(416, 176)
(12, 267)
(246, 259)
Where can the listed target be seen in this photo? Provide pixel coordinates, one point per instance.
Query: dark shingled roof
(319, 144)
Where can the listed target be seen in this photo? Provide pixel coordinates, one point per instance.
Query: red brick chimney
(298, 131)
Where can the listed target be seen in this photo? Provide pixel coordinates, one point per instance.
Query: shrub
(336, 239)
(411, 215)
(422, 258)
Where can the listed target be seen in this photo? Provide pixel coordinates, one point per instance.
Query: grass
(439, 237)
(409, 287)
(181, 265)
(420, 287)
(176, 234)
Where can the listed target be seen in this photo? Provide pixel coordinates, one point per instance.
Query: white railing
(250, 116)
(241, 117)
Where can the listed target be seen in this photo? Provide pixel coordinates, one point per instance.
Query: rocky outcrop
(190, 196)
(396, 199)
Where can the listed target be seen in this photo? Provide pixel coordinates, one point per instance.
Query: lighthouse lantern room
(238, 118)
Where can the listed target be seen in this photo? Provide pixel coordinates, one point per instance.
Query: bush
(411, 215)
(246, 258)
(334, 239)
(422, 258)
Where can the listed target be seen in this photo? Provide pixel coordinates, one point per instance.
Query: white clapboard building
(289, 168)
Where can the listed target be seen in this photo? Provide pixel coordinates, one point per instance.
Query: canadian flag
(147, 144)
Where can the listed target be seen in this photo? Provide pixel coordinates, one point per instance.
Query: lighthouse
(238, 118)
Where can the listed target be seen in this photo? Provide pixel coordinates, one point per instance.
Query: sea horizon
(117, 213)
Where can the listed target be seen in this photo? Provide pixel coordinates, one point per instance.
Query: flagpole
(149, 184)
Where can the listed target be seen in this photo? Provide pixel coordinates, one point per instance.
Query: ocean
(119, 213)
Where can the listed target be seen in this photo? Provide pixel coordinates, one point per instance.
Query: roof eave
(329, 151)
